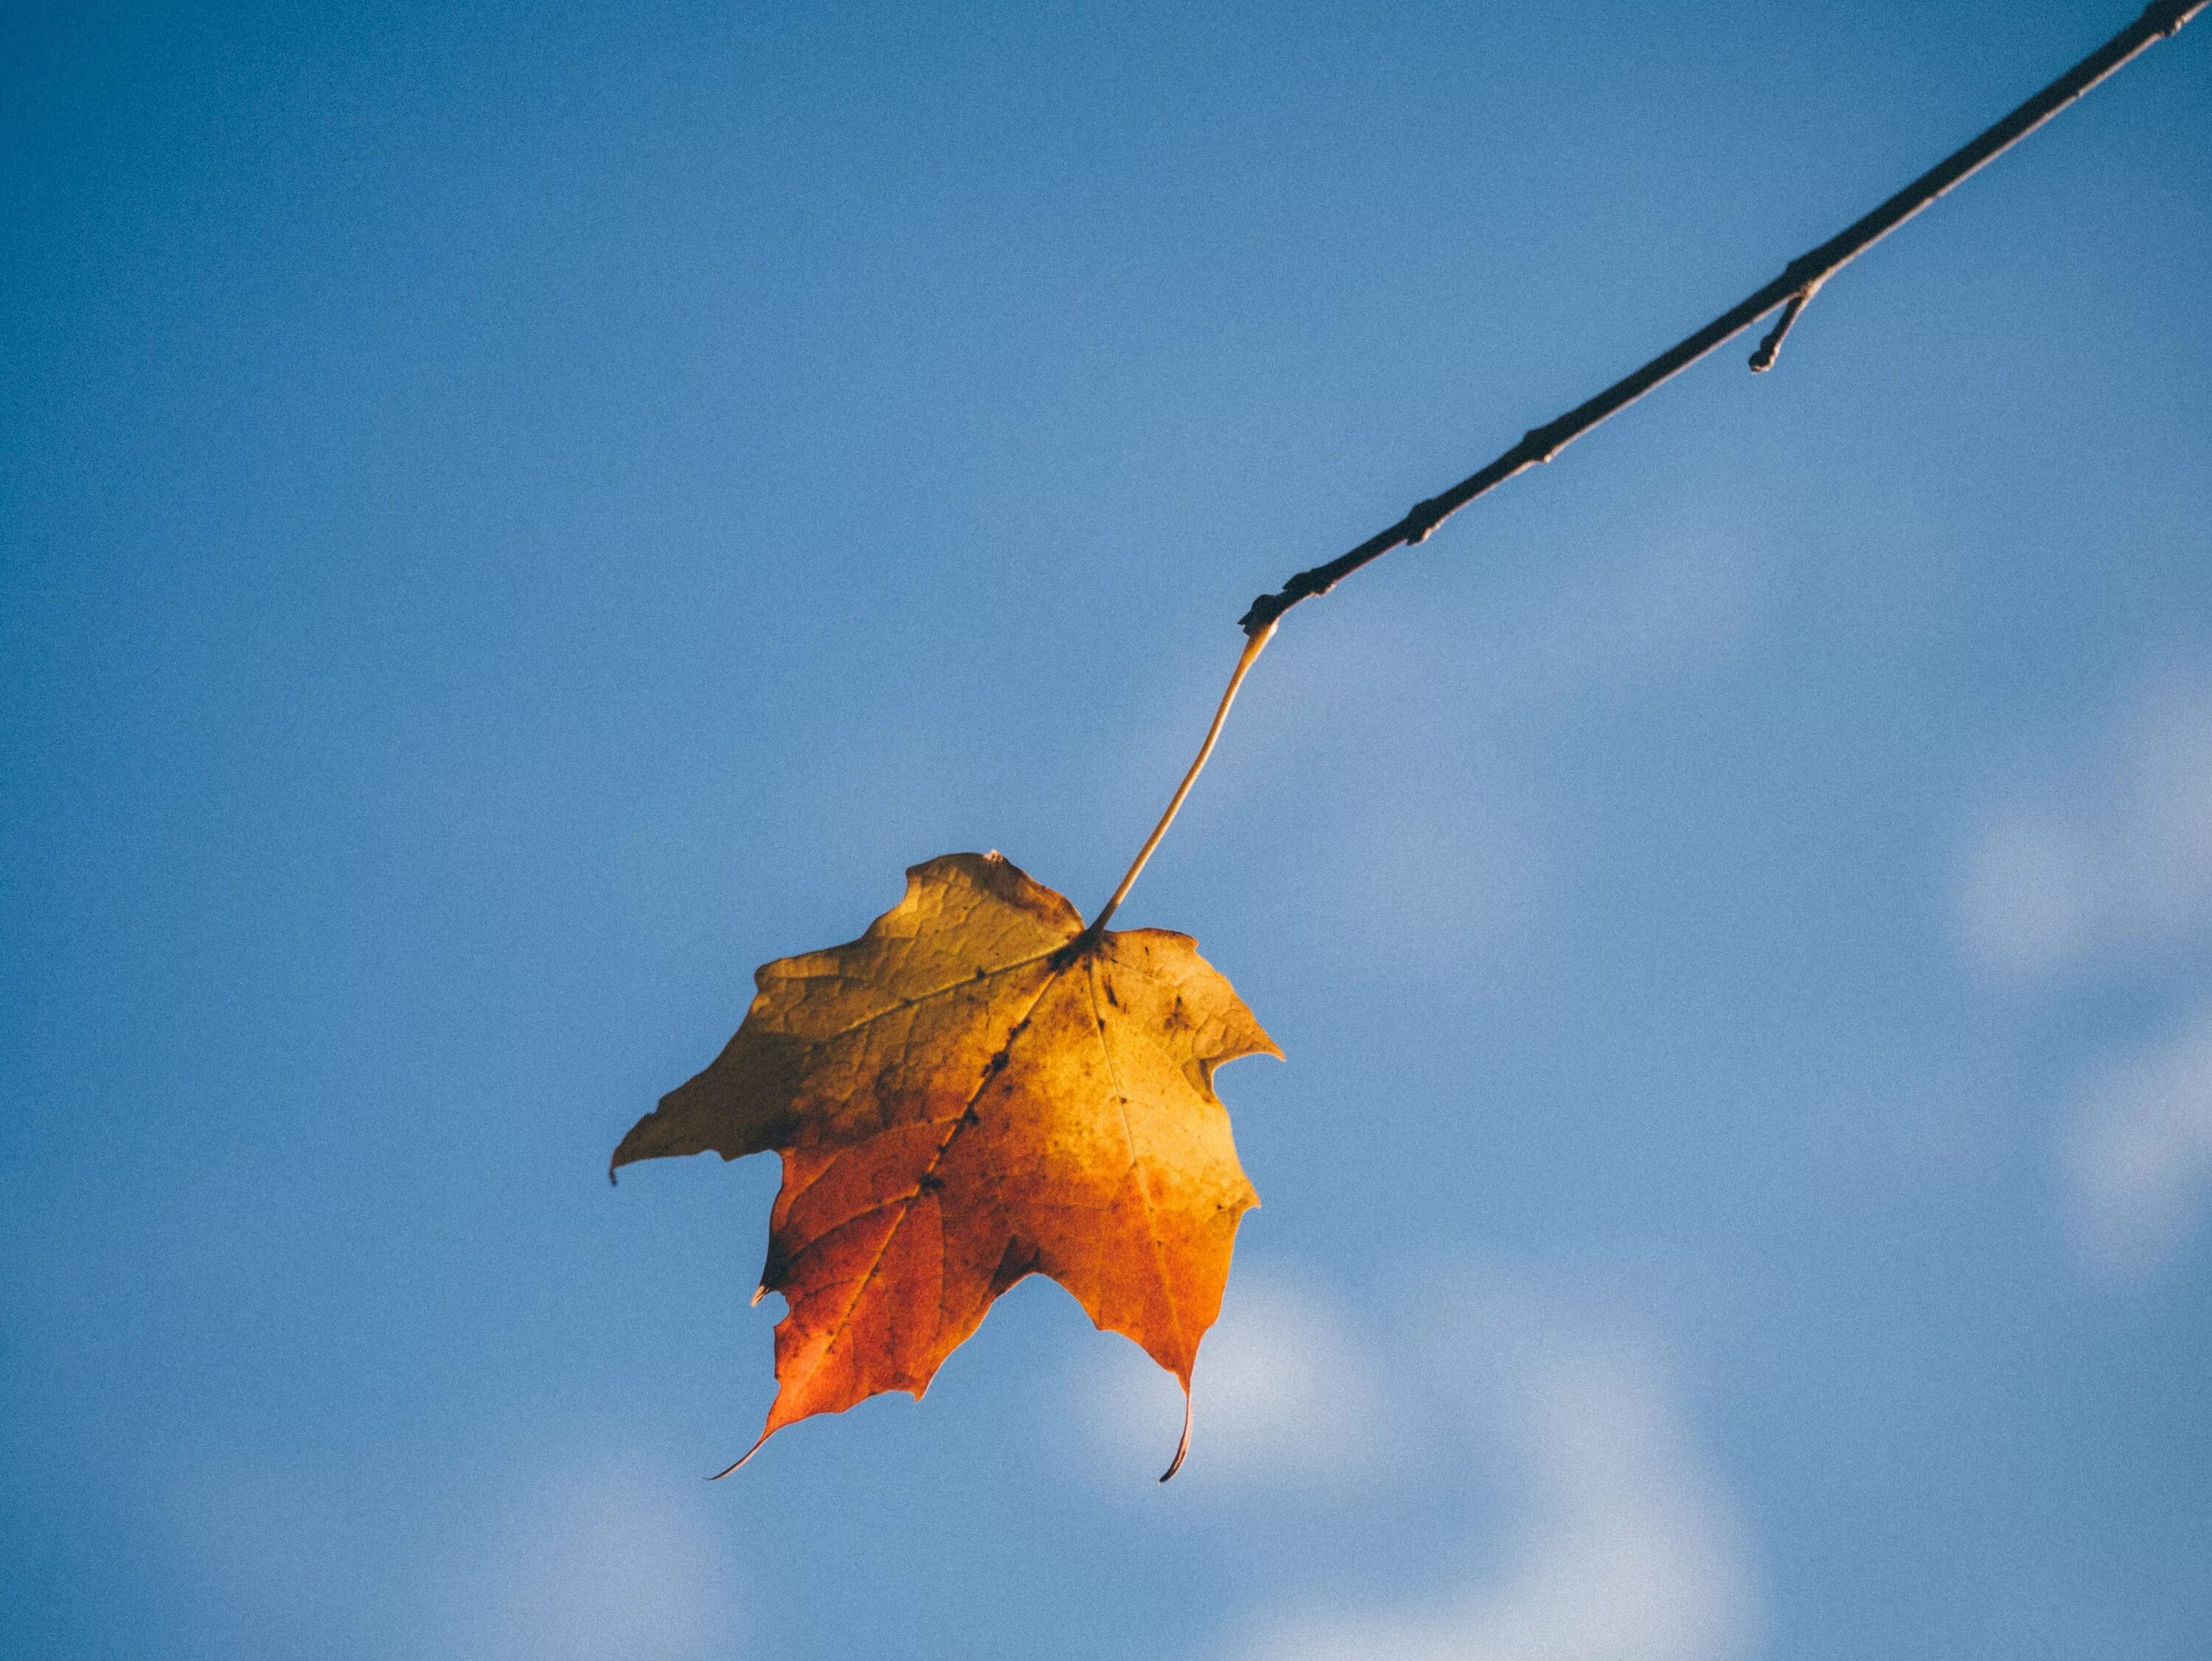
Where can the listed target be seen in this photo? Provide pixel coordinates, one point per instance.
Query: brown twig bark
(1799, 281)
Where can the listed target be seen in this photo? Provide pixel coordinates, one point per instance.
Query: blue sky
(511, 516)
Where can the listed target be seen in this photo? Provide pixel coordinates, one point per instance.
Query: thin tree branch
(1797, 285)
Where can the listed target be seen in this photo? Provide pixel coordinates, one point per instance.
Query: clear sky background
(512, 516)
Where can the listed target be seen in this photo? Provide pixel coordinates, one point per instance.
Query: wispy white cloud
(1654, 613)
(2137, 1157)
(597, 1558)
(1625, 1550)
(1282, 1395)
(2105, 863)
(605, 1555)
(1625, 626)
(2112, 853)
(1401, 741)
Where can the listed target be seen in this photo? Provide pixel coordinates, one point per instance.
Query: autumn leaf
(976, 1090)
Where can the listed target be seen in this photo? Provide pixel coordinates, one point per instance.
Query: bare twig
(1793, 291)
(1797, 285)
(1771, 347)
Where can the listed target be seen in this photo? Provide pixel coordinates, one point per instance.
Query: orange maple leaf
(975, 1090)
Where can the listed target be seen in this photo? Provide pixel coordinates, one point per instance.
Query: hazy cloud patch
(2137, 1156)
(1653, 613)
(1621, 1546)
(1624, 1548)
(598, 1559)
(1282, 1395)
(2112, 854)
(2106, 865)
(604, 1555)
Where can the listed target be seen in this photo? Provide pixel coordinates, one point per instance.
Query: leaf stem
(1800, 280)
(1253, 644)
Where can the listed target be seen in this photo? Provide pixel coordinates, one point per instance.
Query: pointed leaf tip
(1183, 1447)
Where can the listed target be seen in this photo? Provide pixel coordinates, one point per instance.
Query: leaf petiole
(1253, 644)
